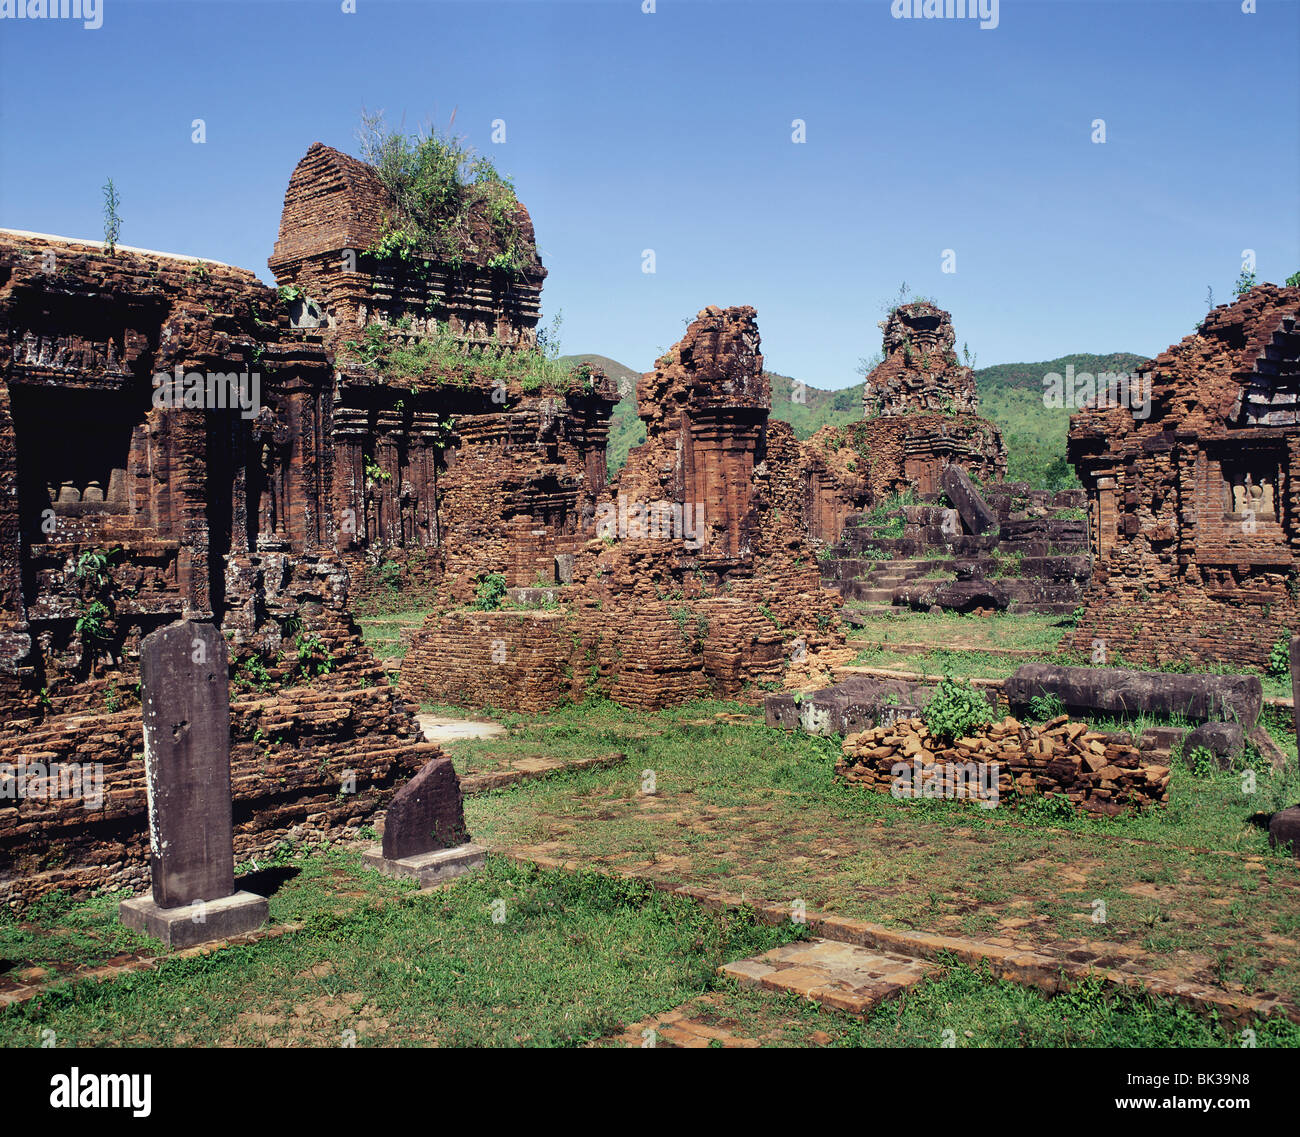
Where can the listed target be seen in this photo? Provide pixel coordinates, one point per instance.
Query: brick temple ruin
(696, 577)
(444, 475)
(180, 442)
(167, 454)
(1195, 509)
(991, 545)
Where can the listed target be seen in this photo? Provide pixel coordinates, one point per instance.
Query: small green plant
(955, 709)
(374, 475)
(314, 656)
(251, 674)
(112, 222)
(1279, 659)
(1245, 282)
(1044, 707)
(1293, 281)
(1044, 807)
(1202, 762)
(93, 567)
(491, 591)
(92, 621)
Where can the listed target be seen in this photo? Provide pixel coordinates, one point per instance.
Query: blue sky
(672, 131)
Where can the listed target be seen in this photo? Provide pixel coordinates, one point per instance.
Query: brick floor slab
(838, 975)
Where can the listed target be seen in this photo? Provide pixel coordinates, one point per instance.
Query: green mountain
(1011, 394)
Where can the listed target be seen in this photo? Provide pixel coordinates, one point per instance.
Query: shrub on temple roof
(436, 182)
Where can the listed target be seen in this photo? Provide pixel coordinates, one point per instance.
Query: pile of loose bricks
(1097, 773)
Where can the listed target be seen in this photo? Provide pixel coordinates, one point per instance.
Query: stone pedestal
(428, 868)
(198, 923)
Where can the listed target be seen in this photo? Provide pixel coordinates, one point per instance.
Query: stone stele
(186, 707)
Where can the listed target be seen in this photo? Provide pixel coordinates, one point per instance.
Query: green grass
(573, 957)
(1021, 631)
(968, 1007)
(382, 634)
(751, 810)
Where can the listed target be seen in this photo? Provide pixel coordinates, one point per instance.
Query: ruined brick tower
(453, 468)
(920, 372)
(1195, 507)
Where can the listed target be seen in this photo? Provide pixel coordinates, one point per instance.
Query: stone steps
(840, 976)
(873, 611)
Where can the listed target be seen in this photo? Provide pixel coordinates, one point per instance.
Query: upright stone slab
(186, 707)
(971, 507)
(424, 829)
(186, 698)
(426, 813)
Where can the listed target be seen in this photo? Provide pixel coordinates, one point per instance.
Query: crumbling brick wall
(1195, 509)
(695, 575)
(127, 511)
(444, 476)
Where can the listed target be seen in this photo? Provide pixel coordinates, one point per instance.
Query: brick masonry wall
(1175, 578)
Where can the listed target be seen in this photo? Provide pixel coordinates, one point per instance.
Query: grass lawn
(1192, 891)
(517, 956)
(966, 645)
(1023, 632)
(383, 634)
(508, 956)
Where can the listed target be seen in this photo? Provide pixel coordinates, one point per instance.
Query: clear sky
(672, 131)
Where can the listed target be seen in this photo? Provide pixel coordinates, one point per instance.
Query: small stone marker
(186, 708)
(424, 829)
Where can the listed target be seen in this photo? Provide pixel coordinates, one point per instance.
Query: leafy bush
(444, 357)
(1202, 762)
(491, 591)
(1044, 707)
(955, 709)
(435, 182)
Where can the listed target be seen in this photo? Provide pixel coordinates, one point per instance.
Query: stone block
(428, 868)
(975, 513)
(197, 923)
(186, 711)
(1089, 690)
(1284, 830)
(1225, 740)
(426, 814)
